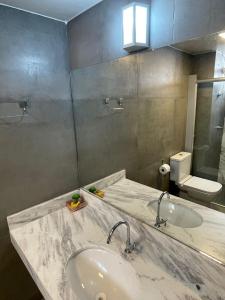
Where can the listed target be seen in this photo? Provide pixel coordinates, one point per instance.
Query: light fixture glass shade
(128, 23)
(135, 26)
(222, 35)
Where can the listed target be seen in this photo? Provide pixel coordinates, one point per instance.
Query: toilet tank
(180, 165)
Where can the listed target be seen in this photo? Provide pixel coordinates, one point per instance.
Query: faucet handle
(161, 222)
(165, 222)
(130, 248)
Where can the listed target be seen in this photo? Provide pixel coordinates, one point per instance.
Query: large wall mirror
(203, 90)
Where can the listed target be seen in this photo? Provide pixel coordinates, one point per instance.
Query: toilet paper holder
(164, 169)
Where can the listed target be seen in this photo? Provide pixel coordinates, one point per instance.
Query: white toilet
(191, 187)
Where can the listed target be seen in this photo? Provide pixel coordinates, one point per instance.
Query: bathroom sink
(100, 274)
(178, 214)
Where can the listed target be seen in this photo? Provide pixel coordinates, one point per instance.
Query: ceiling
(209, 43)
(63, 10)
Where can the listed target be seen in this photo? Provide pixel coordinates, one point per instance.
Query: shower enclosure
(205, 133)
(208, 141)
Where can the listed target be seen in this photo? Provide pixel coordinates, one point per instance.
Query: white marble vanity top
(132, 198)
(36, 212)
(47, 239)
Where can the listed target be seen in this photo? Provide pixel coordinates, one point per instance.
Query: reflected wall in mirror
(208, 63)
(151, 128)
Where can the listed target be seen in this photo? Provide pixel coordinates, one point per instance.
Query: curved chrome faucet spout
(159, 221)
(129, 247)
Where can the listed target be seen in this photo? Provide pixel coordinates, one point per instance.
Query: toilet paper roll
(164, 169)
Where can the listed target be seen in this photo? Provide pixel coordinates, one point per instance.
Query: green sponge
(92, 189)
(76, 197)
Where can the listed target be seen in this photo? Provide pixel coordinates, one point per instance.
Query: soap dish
(82, 204)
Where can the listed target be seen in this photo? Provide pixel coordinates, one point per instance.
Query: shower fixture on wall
(119, 101)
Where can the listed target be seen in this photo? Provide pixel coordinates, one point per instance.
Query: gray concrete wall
(96, 35)
(38, 154)
(151, 127)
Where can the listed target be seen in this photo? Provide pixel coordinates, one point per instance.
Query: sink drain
(101, 296)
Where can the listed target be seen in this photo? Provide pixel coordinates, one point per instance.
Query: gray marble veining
(38, 211)
(172, 269)
(132, 197)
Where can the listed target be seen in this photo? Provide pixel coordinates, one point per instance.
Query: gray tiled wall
(151, 127)
(38, 154)
(96, 35)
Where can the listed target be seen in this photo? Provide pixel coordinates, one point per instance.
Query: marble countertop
(132, 198)
(36, 212)
(47, 239)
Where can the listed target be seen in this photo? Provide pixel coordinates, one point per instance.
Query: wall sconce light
(135, 26)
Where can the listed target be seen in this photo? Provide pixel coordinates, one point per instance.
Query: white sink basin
(177, 214)
(100, 274)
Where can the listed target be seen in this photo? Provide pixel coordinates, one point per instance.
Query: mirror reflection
(193, 177)
(208, 143)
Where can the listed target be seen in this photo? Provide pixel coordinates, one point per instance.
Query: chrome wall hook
(107, 100)
(120, 101)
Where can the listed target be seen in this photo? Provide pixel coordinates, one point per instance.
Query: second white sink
(177, 214)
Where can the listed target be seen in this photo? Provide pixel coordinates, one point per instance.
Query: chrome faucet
(159, 221)
(129, 247)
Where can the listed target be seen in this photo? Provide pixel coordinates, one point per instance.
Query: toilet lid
(203, 185)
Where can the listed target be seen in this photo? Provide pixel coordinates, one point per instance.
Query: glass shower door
(209, 142)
